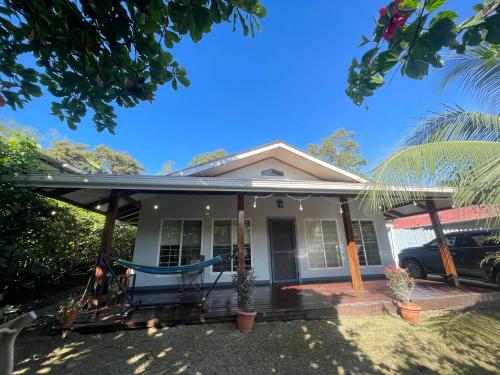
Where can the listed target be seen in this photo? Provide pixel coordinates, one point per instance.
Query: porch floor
(287, 302)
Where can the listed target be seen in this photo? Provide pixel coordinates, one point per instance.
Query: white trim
(212, 241)
(170, 183)
(261, 149)
(323, 243)
(182, 220)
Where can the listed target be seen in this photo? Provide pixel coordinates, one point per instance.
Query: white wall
(224, 207)
(254, 171)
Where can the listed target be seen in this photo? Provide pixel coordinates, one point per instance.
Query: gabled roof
(277, 150)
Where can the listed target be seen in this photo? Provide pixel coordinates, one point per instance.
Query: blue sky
(286, 83)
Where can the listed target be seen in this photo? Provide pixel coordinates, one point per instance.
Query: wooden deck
(288, 302)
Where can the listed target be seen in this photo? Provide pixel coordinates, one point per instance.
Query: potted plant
(244, 284)
(402, 284)
(69, 310)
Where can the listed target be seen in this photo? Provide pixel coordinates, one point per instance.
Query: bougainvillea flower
(397, 21)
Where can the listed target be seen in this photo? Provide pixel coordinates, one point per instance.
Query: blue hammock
(170, 270)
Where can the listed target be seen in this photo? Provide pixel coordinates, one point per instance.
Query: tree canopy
(410, 36)
(101, 159)
(208, 157)
(94, 54)
(340, 149)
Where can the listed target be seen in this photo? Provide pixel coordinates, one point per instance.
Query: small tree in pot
(402, 284)
(69, 310)
(244, 284)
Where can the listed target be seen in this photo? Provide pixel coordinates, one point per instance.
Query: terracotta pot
(70, 319)
(410, 312)
(245, 319)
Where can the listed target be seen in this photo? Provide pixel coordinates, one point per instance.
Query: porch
(288, 302)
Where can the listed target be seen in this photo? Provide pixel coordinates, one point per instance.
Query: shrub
(401, 283)
(244, 284)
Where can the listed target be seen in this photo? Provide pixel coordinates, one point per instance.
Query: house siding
(224, 207)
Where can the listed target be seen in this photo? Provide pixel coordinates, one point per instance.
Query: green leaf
(447, 14)
(432, 5)
(416, 68)
(368, 56)
(364, 40)
(386, 60)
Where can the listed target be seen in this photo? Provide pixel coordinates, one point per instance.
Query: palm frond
(428, 164)
(476, 72)
(481, 185)
(456, 125)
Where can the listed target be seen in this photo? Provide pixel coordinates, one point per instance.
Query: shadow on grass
(459, 343)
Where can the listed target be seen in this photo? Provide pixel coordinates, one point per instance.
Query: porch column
(241, 232)
(352, 250)
(449, 265)
(105, 248)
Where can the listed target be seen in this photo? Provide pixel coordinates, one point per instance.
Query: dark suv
(467, 249)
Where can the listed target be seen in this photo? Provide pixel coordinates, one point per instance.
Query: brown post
(449, 265)
(241, 232)
(352, 250)
(106, 245)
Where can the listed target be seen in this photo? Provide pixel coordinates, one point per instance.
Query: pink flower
(397, 21)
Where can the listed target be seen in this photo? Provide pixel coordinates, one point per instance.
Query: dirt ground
(444, 343)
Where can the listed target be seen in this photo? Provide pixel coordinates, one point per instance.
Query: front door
(282, 245)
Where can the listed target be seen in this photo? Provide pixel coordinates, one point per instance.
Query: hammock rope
(171, 270)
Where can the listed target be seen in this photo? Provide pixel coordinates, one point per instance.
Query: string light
(415, 203)
(208, 207)
(98, 206)
(53, 213)
(156, 207)
(255, 202)
(341, 211)
(300, 205)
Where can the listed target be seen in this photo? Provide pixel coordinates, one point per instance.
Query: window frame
(272, 172)
(182, 232)
(341, 245)
(212, 272)
(378, 243)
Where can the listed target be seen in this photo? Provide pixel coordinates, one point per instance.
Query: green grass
(444, 343)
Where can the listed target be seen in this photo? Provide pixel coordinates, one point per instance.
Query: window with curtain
(225, 240)
(323, 245)
(366, 242)
(180, 242)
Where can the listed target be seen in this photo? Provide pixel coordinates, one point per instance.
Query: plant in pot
(402, 284)
(69, 310)
(244, 284)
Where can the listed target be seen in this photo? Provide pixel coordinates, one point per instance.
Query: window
(180, 242)
(225, 240)
(323, 247)
(272, 172)
(366, 241)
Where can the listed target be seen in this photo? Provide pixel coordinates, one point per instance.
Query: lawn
(444, 343)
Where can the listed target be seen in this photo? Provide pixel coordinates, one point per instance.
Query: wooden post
(352, 250)
(105, 249)
(241, 232)
(449, 265)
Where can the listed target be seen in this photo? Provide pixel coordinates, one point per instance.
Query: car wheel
(415, 269)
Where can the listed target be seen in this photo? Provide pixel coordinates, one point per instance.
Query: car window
(468, 240)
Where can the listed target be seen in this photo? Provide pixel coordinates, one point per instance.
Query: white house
(293, 222)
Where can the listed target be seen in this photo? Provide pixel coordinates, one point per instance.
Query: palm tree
(457, 148)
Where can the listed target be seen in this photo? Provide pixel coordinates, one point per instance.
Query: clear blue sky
(286, 83)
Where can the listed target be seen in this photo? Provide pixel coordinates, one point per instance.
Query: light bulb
(155, 206)
(98, 206)
(415, 203)
(300, 206)
(53, 213)
(254, 202)
(341, 210)
(208, 207)
(380, 208)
